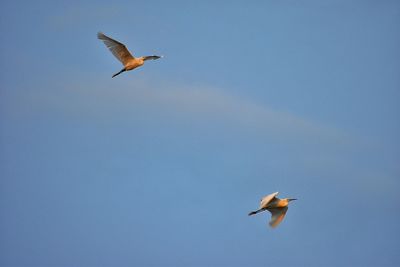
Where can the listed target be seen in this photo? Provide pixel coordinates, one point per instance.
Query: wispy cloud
(308, 146)
(214, 104)
(196, 105)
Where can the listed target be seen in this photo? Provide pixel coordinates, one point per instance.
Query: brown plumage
(277, 207)
(120, 51)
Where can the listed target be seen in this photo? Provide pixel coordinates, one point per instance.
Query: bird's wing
(277, 215)
(265, 200)
(118, 49)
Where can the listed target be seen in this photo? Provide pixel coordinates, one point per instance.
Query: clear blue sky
(160, 166)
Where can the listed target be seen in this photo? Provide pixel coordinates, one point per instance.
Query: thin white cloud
(199, 105)
(116, 101)
(119, 104)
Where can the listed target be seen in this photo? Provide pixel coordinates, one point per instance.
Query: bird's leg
(255, 212)
(119, 72)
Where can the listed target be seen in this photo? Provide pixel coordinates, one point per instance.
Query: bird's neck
(283, 202)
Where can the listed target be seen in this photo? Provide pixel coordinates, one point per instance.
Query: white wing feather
(265, 200)
(277, 216)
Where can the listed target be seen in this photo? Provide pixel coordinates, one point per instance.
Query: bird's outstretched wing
(118, 49)
(265, 200)
(277, 215)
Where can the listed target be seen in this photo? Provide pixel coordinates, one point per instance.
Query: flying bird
(120, 51)
(277, 207)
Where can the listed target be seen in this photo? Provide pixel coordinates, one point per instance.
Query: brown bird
(120, 51)
(277, 207)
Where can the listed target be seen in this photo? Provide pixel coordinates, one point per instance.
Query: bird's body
(120, 51)
(134, 63)
(278, 208)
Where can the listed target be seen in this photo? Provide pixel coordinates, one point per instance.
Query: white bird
(120, 51)
(277, 207)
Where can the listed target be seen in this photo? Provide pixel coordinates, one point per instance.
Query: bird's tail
(121, 71)
(254, 212)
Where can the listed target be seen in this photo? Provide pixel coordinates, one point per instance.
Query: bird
(277, 207)
(120, 51)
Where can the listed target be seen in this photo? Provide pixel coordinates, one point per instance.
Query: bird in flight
(120, 51)
(277, 207)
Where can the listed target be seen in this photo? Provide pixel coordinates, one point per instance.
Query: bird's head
(151, 57)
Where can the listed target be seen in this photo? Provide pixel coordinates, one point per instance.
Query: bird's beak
(291, 199)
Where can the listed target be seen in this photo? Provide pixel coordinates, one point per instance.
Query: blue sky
(160, 166)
